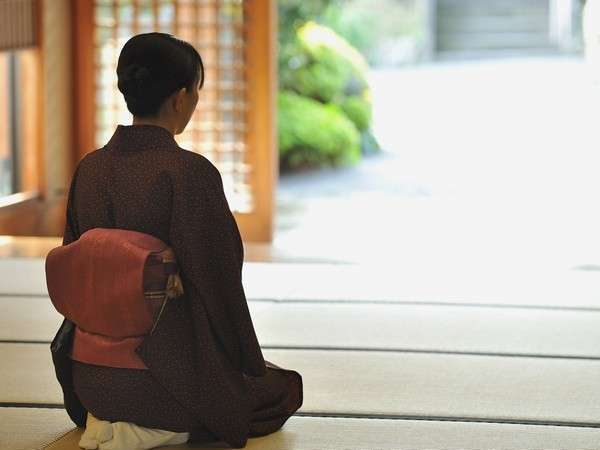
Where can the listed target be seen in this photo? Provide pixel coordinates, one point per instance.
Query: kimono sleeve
(71, 232)
(207, 244)
(61, 344)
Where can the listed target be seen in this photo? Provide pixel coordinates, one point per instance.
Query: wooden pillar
(83, 94)
(261, 61)
(57, 92)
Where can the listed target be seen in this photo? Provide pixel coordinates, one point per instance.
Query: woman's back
(129, 182)
(206, 372)
(142, 180)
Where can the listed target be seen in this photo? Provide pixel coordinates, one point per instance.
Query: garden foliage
(324, 100)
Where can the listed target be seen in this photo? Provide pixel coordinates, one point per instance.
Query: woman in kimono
(206, 372)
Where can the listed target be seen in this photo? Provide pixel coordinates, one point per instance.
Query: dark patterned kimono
(207, 374)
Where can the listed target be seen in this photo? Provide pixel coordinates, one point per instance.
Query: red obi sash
(112, 283)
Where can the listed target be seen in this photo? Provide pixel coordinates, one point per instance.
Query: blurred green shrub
(324, 103)
(358, 109)
(312, 133)
(323, 65)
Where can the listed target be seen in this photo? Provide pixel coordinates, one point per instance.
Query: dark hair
(154, 65)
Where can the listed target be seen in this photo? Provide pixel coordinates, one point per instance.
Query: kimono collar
(142, 137)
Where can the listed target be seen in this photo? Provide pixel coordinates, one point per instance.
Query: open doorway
(483, 113)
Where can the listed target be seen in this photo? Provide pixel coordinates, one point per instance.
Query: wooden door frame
(83, 81)
(261, 55)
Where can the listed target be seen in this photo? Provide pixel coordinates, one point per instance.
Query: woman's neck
(161, 122)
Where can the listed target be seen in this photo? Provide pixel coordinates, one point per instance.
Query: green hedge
(325, 108)
(359, 110)
(324, 66)
(311, 133)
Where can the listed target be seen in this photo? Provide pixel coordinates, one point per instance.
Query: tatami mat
(27, 375)
(495, 388)
(23, 276)
(384, 383)
(385, 326)
(358, 282)
(51, 429)
(357, 307)
(32, 428)
(431, 328)
(557, 288)
(27, 318)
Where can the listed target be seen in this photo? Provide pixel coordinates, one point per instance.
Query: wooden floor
(388, 361)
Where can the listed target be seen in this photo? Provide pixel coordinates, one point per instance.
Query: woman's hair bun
(135, 72)
(133, 78)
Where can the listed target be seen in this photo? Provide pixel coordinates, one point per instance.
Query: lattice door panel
(218, 129)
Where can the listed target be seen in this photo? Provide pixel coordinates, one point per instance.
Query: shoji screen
(219, 127)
